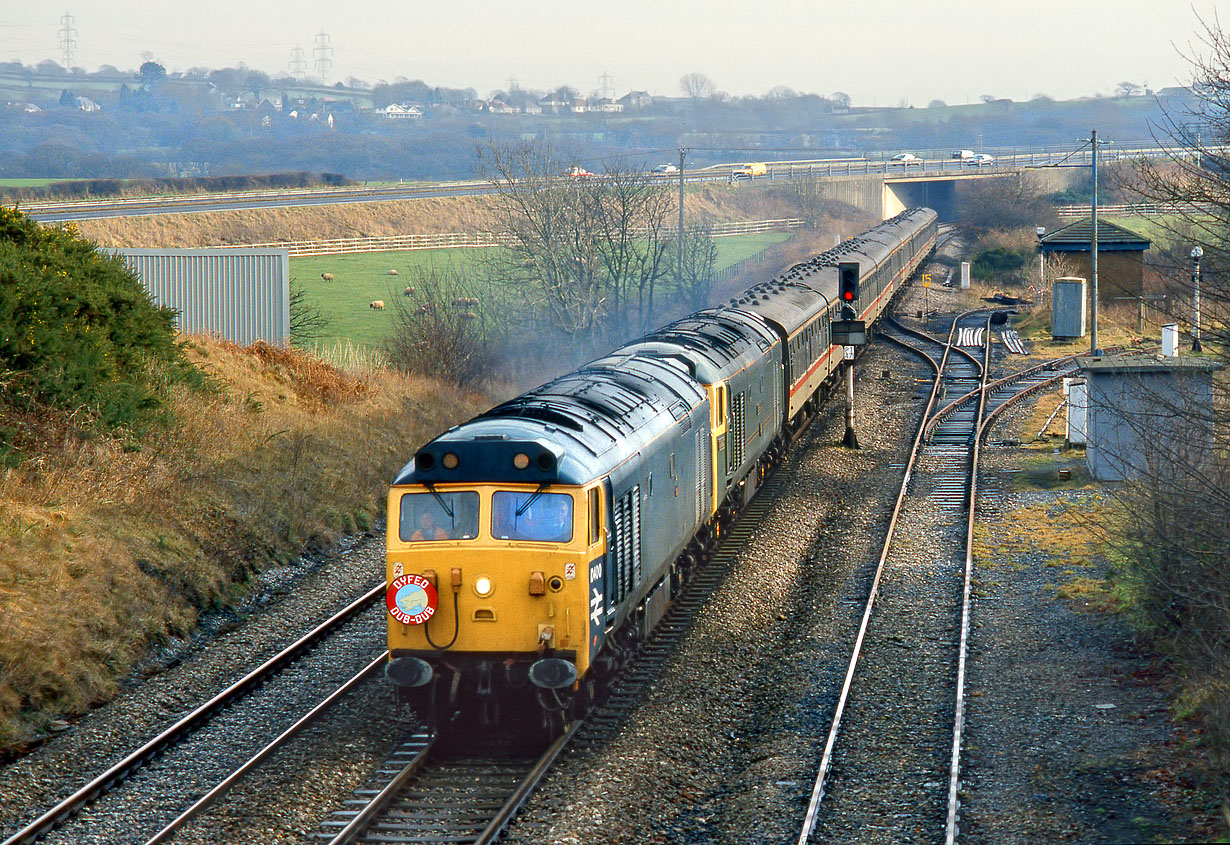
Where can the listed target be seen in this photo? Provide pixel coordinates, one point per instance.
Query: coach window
(425, 517)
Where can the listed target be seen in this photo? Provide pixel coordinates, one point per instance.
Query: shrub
(443, 327)
(77, 330)
(997, 263)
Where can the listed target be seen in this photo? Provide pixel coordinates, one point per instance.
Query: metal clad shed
(241, 295)
(1147, 416)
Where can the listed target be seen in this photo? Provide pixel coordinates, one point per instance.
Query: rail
(190, 722)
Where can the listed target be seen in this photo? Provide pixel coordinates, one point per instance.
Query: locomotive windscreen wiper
(443, 504)
(521, 510)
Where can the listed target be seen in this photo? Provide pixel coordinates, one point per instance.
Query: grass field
(361, 278)
(29, 183)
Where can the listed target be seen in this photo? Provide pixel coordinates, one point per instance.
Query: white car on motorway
(906, 159)
(666, 169)
(981, 160)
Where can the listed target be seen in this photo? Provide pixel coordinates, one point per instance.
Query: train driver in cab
(553, 519)
(536, 517)
(428, 529)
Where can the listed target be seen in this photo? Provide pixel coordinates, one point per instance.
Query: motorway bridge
(878, 185)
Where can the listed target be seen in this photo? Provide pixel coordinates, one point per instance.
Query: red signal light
(847, 281)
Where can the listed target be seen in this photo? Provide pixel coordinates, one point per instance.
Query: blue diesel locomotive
(530, 549)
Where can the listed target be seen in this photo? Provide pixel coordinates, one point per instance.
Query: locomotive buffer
(848, 332)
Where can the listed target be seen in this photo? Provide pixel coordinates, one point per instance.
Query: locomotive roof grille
(535, 411)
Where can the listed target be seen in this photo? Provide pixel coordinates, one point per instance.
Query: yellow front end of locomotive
(508, 564)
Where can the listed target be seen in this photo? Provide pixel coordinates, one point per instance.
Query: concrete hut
(1147, 416)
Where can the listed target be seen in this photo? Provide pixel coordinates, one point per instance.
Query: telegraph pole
(679, 237)
(1093, 335)
(1197, 254)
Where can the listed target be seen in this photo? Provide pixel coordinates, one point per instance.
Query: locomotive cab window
(427, 517)
(595, 517)
(535, 517)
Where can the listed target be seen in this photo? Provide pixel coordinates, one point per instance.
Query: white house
(402, 111)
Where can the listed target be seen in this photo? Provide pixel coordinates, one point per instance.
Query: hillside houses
(273, 100)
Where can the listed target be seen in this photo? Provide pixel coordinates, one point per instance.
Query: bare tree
(553, 250)
(1177, 530)
(307, 322)
(443, 327)
(588, 250)
(630, 215)
(697, 86)
(699, 262)
(1006, 203)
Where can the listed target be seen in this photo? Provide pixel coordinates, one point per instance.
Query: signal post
(848, 333)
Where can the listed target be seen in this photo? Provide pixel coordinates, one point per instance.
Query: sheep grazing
(377, 304)
(328, 277)
(392, 272)
(408, 291)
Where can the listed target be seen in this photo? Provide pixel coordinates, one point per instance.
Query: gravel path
(1066, 741)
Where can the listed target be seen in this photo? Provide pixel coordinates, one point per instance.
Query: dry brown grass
(431, 215)
(401, 217)
(105, 548)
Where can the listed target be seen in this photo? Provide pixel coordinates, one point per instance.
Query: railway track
(891, 763)
(421, 797)
(61, 818)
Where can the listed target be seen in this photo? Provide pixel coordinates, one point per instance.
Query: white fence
(478, 240)
(1138, 209)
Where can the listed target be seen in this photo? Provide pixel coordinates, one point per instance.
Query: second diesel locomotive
(530, 549)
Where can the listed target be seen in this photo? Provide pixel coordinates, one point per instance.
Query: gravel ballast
(725, 746)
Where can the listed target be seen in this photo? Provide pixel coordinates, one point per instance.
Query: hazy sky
(880, 52)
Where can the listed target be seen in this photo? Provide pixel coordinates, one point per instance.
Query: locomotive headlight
(483, 586)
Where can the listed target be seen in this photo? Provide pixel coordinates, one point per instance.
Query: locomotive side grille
(636, 536)
(701, 474)
(739, 429)
(621, 534)
(627, 550)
